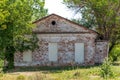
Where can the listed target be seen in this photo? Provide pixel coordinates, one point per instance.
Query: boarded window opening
(79, 52)
(53, 51)
(27, 56)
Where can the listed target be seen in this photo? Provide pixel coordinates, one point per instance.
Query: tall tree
(89, 24)
(16, 18)
(104, 13)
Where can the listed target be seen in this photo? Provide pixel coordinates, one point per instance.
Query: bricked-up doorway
(53, 51)
(79, 52)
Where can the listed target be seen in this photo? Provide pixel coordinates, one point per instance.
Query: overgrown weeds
(106, 70)
(20, 77)
(76, 73)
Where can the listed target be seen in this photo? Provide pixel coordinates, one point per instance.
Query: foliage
(16, 18)
(1, 74)
(39, 76)
(28, 42)
(106, 69)
(104, 14)
(21, 77)
(115, 53)
(59, 73)
(88, 24)
(1, 63)
(79, 73)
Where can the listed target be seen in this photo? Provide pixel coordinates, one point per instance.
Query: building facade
(63, 43)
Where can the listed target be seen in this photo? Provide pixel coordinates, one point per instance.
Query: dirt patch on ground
(24, 73)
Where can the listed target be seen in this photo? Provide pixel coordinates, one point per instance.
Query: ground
(58, 73)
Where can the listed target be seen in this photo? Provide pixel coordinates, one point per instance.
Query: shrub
(20, 77)
(1, 74)
(39, 76)
(115, 53)
(106, 69)
(1, 63)
(76, 74)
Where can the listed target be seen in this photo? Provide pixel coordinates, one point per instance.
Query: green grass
(57, 73)
(1, 63)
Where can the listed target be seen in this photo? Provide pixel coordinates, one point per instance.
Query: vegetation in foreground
(16, 17)
(61, 73)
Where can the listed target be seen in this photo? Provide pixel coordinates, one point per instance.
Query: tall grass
(106, 69)
(78, 73)
(1, 63)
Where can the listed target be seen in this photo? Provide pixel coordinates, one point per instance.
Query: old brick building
(62, 43)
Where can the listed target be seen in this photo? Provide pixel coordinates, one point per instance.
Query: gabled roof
(65, 20)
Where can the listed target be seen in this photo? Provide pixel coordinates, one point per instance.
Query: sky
(57, 7)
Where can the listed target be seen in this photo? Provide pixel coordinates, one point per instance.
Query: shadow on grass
(47, 69)
(116, 63)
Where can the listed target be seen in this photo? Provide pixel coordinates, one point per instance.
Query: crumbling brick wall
(65, 33)
(101, 51)
(66, 50)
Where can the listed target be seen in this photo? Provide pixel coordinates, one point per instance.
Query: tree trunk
(9, 56)
(111, 47)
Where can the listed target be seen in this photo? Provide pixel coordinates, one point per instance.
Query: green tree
(104, 13)
(89, 24)
(16, 18)
(115, 53)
